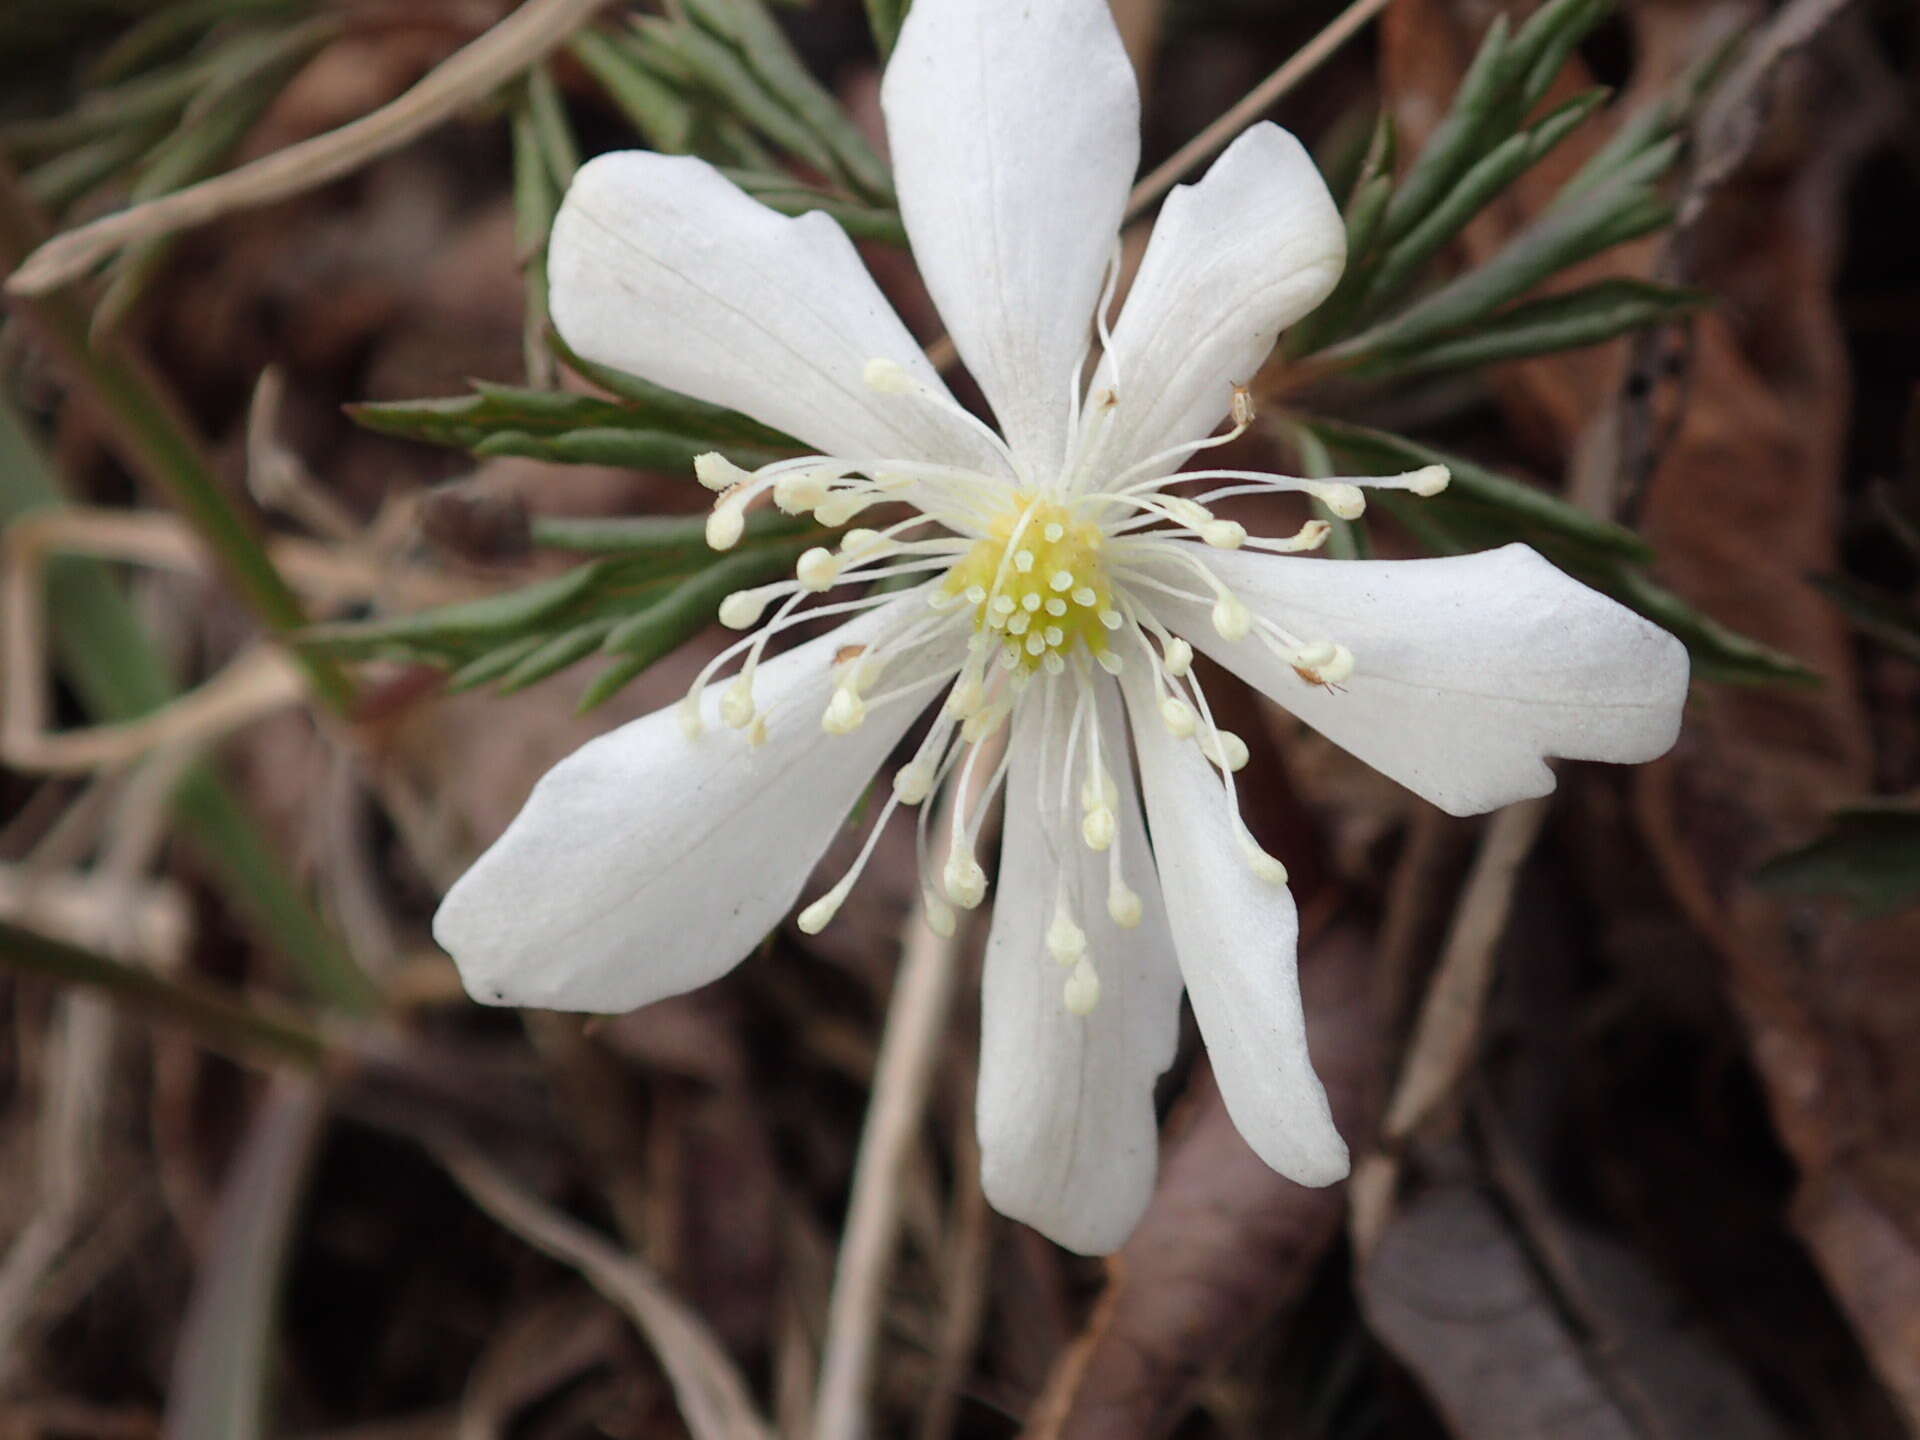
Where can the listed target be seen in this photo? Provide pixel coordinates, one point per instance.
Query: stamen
(1082, 991)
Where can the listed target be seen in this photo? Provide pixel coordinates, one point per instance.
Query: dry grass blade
(523, 38)
(714, 1399)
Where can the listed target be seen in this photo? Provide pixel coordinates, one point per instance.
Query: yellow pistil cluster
(1038, 583)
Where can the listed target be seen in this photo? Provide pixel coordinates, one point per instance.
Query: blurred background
(1632, 1076)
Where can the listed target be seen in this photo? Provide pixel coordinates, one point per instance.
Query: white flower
(1064, 578)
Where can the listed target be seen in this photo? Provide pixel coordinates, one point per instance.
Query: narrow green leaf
(1476, 189)
(73, 175)
(555, 133)
(532, 418)
(1560, 238)
(661, 115)
(722, 71)
(1577, 318)
(509, 614)
(1719, 654)
(1870, 857)
(492, 665)
(770, 56)
(555, 654)
(1891, 619)
(250, 76)
(1381, 452)
(884, 18)
(790, 197)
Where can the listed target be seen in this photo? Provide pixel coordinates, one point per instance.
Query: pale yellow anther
(1224, 534)
(799, 493)
(1231, 619)
(1110, 661)
(726, 525)
(912, 783)
(965, 881)
(742, 609)
(1056, 607)
(1177, 716)
(1349, 502)
(1062, 580)
(1124, 907)
(818, 570)
(1066, 941)
(1430, 480)
(1020, 624)
(845, 712)
(820, 913)
(1098, 827)
(1243, 411)
(1082, 991)
(1030, 602)
(1226, 749)
(1023, 561)
(718, 473)
(736, 703)
(887, 377)
(1264, 865)
(1179, 656)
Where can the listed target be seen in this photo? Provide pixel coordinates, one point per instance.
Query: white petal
(1015, 129)
(1236, 935)
(664, 268)
(1235, 259)
(1068, 1137)
(646, 864)
(1468, 671)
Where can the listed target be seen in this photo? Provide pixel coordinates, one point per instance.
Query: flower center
(1037, 581)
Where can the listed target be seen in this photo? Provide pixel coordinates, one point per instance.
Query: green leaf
(1619, 210)
(884, 18)
(557, 146)
(1455, 525)
(771, 58)
(555, 654)
(1891, 619)
(249, 78)
(790, 197)
(1719, 654)
(509, 614)
(1870, 857)
(1569, 321)
(678, 615)
(661, 114)
(74, 174)
(1474, 191)
(1380, 452)
(645, 428)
